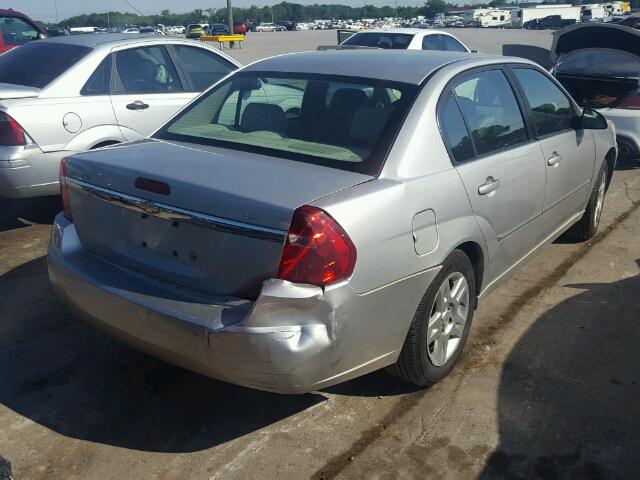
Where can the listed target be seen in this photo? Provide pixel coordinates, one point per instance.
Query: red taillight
(317, 251)
(11, 133)
(629, 103)
(64, 190)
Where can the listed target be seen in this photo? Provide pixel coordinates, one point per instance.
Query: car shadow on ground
(568, 398)
(78, 382)
(20, 213)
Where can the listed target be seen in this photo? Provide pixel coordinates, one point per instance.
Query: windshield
(37, 64)
(397, 41)
(599, 62)
(340, 122)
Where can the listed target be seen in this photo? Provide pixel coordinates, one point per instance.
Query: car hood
(9, 91)
(591, 36)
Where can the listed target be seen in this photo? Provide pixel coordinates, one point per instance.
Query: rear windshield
(37, 64)
(397, 41)
(341, 122)
(600, 62)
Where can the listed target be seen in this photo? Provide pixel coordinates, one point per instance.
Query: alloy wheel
(448, 318)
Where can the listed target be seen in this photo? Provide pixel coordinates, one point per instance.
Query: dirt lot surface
(548, 386)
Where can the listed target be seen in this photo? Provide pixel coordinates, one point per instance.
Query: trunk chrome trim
(169, 212)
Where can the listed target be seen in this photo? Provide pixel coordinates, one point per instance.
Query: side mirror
(592, 120)
(475, 51)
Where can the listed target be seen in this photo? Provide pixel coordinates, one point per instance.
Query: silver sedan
(318, 216)
(70, 94)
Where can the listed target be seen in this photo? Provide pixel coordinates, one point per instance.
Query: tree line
(282, 11)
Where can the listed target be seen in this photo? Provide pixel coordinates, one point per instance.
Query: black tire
(587, 227)
(414, 364)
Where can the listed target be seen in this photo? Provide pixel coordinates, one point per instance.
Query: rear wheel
(441, 325)
(587, 226)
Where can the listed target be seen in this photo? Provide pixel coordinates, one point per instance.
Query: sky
(45, 10)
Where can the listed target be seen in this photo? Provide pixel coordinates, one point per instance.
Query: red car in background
(240, 28)
(17, 29)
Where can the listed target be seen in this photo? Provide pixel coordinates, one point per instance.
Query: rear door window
(37, 64)
(433, 42)
(452, 45)
(551, 109)
(491, 110)
(146, 70)
(203, 68)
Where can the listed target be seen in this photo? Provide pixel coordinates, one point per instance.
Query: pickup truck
(549, 22)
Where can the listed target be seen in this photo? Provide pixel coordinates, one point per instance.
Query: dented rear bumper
(291, 339)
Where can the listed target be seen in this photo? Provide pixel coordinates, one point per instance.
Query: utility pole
(365, 8)
(55, 4)
(396, 9)
(230, 17)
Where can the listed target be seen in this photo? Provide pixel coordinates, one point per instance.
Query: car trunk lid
(584, 36)
(9, 91)
(205, 218)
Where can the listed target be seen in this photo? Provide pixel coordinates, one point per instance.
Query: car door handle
(138, 105)
(554, 159)
(490, 185)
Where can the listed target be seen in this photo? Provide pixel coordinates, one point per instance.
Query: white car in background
(407, 39)
(266, 27)
(101, 90)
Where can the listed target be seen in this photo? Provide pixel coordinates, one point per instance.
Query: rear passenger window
(455, 131)
(551, 109)
(146, 70)
(491, 111)
(203, 68)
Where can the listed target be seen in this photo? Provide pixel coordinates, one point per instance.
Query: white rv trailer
(522, 15)
(488, 17)
(592, 12)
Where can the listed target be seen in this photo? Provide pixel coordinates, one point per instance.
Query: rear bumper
(28, 172)
(292, 339)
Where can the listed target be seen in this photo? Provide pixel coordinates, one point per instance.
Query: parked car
(127, 31)
(288, 25)
(151, 31)
(301, 26)
(218, 29)
(548, 22)
(266, 27)
(407, 39)
(287, 232)
(196, 30)
(57, 32)
(17, 29)
(240, 28)
(599, 64)
(69, 94)
(632, 21)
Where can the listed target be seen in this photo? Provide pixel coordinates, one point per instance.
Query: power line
(133, 6)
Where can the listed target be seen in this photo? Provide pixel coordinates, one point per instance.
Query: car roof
(407, 66)
(93, 40)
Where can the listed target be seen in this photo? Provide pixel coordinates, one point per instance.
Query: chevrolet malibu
(321, 215)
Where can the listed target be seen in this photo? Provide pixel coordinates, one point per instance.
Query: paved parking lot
(548, 386)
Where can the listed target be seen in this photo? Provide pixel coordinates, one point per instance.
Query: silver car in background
(70, 94)
(318, 216)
